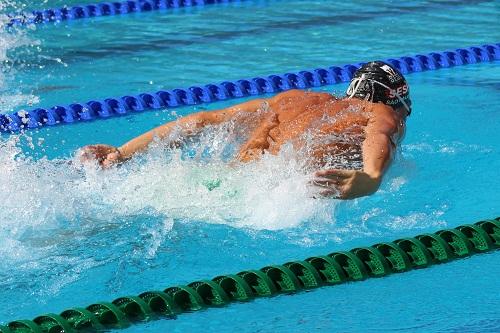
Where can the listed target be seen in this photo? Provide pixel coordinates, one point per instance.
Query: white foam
(42, 195)
(268, 194)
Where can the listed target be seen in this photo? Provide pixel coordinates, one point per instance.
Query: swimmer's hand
(346, 184)
(105, 155)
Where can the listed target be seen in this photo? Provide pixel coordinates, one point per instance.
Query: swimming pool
(70, 238)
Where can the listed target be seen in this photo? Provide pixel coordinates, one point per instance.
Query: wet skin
(289, 116)
(374, 128)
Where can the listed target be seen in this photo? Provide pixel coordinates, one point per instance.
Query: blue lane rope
(114, 107)
(103, 9)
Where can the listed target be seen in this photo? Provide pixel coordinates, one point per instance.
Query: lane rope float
(112, 8)
(358, 264)
(213, 92)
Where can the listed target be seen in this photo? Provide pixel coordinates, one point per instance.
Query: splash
(194, 184)
(60, 218)
(166, 181)
(11, 93)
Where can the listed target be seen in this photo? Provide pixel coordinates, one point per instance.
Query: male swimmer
(378, 93)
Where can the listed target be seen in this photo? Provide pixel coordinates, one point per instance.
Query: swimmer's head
(378, 81)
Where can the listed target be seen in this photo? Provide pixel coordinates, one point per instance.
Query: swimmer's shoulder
(385, 113)
(376, 112)
(297, 94)
(382, 108)
(387, 121)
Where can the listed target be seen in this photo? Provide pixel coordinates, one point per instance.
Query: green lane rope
(358, 264)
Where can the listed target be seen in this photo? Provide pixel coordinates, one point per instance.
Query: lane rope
(66, 13)
(379, 260)
(213, 92)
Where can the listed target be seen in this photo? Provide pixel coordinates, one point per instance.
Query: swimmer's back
(299, 112)
(288, 105)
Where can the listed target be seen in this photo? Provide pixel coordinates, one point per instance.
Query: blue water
(72, 236)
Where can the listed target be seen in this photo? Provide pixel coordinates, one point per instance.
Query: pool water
(73, 235)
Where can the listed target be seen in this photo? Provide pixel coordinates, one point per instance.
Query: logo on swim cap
(401, 91)
(388, 70)
(378, 81)
(393, 75)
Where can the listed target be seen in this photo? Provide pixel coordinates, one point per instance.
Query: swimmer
(379, 94)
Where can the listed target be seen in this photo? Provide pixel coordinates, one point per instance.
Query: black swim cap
(378, 81)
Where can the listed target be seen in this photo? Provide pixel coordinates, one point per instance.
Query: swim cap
(378, 81)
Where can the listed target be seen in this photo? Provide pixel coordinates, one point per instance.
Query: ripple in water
(12, 95)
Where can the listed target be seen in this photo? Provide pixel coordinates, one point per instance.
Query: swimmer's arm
(190, 125)
(378, 148)
(183, 127)
(377, 152)
(186, 126)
